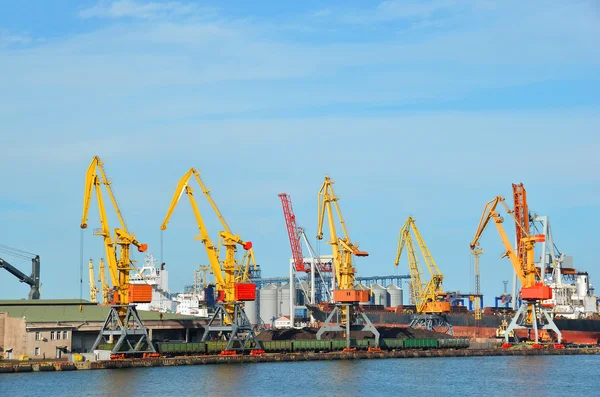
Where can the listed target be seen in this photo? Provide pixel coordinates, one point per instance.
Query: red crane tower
(293, 234)
(522, 219)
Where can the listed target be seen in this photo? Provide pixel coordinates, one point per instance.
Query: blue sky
(418, 108)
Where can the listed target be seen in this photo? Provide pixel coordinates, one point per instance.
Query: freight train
(292, 346)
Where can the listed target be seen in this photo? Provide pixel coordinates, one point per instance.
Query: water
(460, 376)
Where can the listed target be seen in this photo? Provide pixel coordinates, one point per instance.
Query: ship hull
(585, 331)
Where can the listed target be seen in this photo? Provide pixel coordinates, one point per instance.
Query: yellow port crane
(104, 288)
(93, 289)
(429, 298)
(123, 320)
(232, 286)
(103, 284)
(346, 295)
(531, 315)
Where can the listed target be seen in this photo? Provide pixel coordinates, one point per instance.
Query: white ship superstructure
(572, 294)
(193, 301)
(158, 278)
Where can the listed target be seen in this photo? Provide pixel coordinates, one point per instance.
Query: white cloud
(133, 9)
(7, 40)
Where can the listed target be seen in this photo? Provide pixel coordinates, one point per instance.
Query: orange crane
(346, 296)
(531, 315)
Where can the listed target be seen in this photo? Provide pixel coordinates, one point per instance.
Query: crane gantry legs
(234, 325)
(352, 317)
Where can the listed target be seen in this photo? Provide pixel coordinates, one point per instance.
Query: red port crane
(292, 229)
(521, 213)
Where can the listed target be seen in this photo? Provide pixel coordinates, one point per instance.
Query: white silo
(378, 295)
(268, 304)
(250, 309)
(394, 295)
(283, 308)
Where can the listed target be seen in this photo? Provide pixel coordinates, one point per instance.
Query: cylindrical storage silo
(250, 309)
(284, 301)
(394, 295)
(378, 295)
(268, 304)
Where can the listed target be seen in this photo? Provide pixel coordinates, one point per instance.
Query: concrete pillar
(187, 335)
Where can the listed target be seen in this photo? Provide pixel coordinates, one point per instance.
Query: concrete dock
(285, 357)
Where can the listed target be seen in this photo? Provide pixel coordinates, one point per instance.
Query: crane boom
(293, 234)
(33, 280)
(521, 212)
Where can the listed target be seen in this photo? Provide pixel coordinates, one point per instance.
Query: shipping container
(342, 295)
(245, 291)
(140, 293)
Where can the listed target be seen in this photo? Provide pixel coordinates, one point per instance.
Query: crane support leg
(337, 326)
(538, 315)
(432, 322)
(131, 333)
(236, 328)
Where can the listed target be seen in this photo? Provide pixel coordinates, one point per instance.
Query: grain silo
(268, 303)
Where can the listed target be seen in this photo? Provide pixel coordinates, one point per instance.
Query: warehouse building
(49, 328)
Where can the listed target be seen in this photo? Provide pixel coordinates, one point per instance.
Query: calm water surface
(464, 376)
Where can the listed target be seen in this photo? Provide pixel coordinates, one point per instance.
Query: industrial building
(49, 328)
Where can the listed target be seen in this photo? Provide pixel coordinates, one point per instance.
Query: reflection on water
(466, 376)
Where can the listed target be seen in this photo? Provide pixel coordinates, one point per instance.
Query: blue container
(301, 313)
(209, 296)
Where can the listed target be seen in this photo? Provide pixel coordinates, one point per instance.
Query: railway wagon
(311, 345)
(455, 343)
(289, 346)
(420, 343)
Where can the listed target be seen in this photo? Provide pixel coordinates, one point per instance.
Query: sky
(414, 108)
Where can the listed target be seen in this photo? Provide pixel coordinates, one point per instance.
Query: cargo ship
(494, 319)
